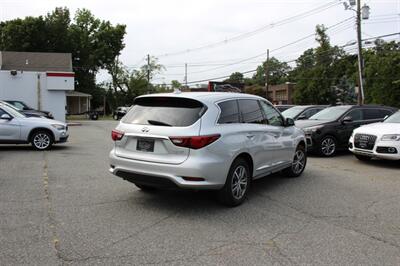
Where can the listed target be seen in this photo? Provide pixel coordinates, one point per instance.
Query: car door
(10, 130)
(282, 147)
(346, 128)
(259, 142)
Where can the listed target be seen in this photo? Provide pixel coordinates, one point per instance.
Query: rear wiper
(158, 123)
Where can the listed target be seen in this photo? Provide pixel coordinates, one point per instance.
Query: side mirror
(347, 119)
(289, 122)
(5, 117)
(25, 108)
(302, 117)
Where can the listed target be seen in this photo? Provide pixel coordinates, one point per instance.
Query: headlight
(58, 126)
(310, 130)
(391, 137)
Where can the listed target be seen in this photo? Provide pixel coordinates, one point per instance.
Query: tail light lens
(116, 134)
(196, 142)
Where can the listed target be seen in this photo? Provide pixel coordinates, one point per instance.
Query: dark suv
(302, 112)
(330, 130)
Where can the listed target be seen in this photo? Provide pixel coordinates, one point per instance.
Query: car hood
(42, 121)
(310, 123)
(379, 129)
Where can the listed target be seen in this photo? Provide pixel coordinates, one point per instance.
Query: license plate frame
(145, 145)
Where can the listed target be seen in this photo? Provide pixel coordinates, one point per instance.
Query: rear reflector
(116, 135)
(195, 142)
(188, 178)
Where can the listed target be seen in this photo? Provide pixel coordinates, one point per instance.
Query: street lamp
(362, 13)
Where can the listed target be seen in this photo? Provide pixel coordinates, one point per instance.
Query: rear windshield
(164, 111)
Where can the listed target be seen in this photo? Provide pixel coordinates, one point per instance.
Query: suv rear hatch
(150, 123)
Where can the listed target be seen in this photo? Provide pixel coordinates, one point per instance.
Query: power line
(290, 61)
(259, 30)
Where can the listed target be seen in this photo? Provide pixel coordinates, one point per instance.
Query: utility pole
(360, 59)
(186, 79)
(148, 73)
(267, 76)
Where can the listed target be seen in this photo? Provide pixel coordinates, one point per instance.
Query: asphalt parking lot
(63, 207)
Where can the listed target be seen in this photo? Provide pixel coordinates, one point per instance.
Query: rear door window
(164, 111)
(251, 112)
(229, 112)
(372, 114)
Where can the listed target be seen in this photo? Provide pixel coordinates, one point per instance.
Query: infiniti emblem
(145, 129)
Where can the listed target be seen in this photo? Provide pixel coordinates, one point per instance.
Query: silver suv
(207, 140)
(16, 128)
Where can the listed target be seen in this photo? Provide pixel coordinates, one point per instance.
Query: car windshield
(19, 105)
(330, 113)
(293, 112)
(12, 111)
(394, 118)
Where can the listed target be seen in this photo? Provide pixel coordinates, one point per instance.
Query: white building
(41, 80)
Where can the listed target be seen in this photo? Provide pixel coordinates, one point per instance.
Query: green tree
(235, 77)
(382, 74)
(318, 72)
(93, 43)
(278, 72)
(176, 84)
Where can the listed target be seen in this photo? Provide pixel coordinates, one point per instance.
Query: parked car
(330, 129)
(42, 133)
(120, 112)
(302, 112)
(29, 111)
(378, 140)
(207, 140)
(283, 107)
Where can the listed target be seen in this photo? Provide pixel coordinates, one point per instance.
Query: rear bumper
(213, 169)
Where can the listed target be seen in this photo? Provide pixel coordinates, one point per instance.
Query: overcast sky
(173, 29)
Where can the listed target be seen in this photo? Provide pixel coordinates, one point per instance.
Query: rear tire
(237, 184)
(41, 140)
(362, 158)
(298, 164)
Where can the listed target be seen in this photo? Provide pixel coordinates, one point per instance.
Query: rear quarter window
(164, 111)
(229, 112)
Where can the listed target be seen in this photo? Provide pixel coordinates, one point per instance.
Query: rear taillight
(116, 135)
(196, 142)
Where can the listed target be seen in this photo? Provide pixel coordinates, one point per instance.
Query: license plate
(145, 145)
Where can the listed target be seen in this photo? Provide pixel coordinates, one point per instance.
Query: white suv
(207, 140)
(16, 128)
(379, 140)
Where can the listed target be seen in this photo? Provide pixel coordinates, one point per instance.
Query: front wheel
(41, 140)
(298, 164)
(237, 184)
(328, 146)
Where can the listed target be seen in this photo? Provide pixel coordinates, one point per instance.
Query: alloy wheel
(239, 182)
(299, 161)
(41, 141)
(328, 146)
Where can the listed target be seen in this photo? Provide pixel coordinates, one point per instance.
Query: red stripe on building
(60, 74)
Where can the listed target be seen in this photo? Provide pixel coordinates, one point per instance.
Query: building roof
(77, 94)
(27, 61)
